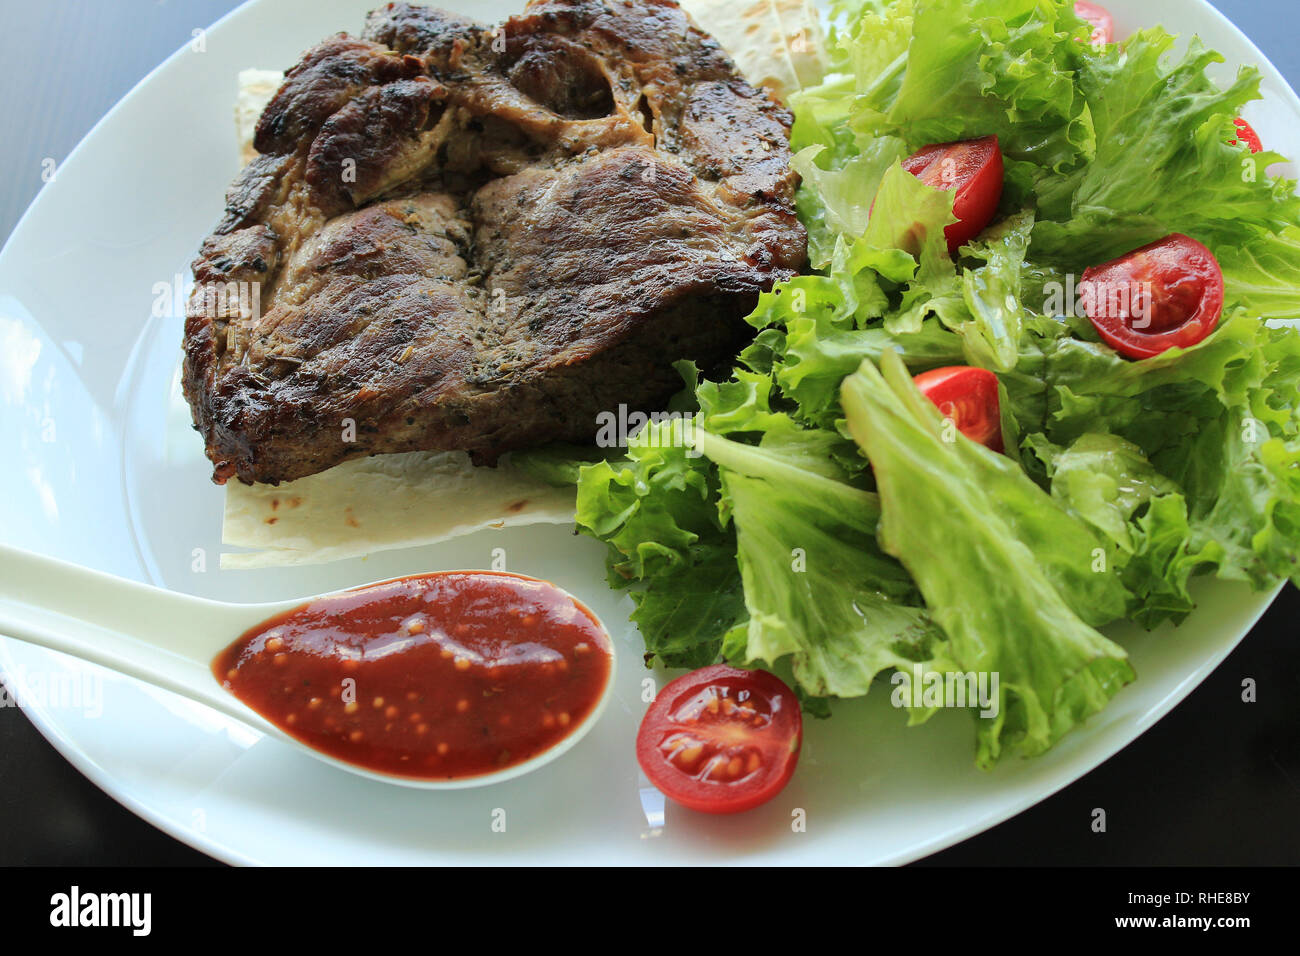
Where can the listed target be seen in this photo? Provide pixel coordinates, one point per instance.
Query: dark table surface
(1215, 782)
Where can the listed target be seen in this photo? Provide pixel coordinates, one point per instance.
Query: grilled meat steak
(468, 238)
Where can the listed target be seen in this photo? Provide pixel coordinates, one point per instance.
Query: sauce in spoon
(436, 676)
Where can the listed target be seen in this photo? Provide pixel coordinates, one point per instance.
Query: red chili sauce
(435, 676)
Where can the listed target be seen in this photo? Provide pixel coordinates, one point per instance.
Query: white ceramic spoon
(169, 640)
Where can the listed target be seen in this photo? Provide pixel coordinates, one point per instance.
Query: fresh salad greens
(814, 517)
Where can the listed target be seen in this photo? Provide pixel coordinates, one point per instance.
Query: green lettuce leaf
(1188, 460)
(835, 200)
(1163, 161)
(1262, 274)
(990, 552)
(658, 512)
(817, 588)
(1104, 480)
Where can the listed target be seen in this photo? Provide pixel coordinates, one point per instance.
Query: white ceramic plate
(98, 472)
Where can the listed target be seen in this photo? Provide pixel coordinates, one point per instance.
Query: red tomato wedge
(973, 168)
(1246, 134)
(1166, 294)
(1103, 27)
(969, 397)
(720, 739)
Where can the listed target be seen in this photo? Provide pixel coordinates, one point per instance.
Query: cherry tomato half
(1246, 134)
(973, 168)
(968, 396)
(720, 739)
(1103, 27)
(1166, 294)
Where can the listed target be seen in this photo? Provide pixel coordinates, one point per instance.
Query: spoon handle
(159, 636)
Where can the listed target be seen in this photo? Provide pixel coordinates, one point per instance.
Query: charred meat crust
(462, 237)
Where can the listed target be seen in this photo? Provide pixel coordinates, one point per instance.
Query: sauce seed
(514, 641)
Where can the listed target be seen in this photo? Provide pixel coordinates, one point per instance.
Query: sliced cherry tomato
(968, 396)
(973, 168)
(1103, 27)
(1166, 294)
(720, 739)
(1246, 134)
